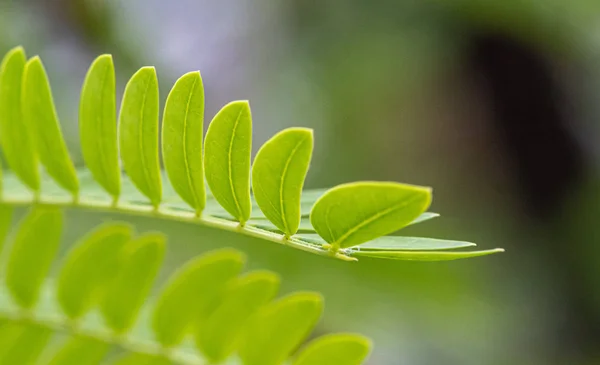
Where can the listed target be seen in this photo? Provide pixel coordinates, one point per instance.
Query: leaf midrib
(141, 139)
(190, 178)
(282, 183)
(229, 166)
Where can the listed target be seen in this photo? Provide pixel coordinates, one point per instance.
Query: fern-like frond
(100, 310)
(348, 219)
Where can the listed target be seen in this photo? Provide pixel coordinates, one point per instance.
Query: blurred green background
(493, 103)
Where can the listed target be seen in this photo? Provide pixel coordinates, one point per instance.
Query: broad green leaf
(354, 213)
(40, 117)
(89, 266)
(98, 125)
(217, 338)
(227, 158)
(15, 135)
(138, 133)
(424, 255)
(278, 175)
(34, 248)
(22, 344)
(271, 336)
(182, 139)
(81, 351)
(5, 222)
(192, 293)
(142, 359)
(338, 349)
(390, 243)
(141, 260)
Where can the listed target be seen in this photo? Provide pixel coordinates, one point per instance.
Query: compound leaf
(40, 117)
(278, 176)
(98, 125)
(138, 133)
(182, 139)
(354, 213)
(227, 158)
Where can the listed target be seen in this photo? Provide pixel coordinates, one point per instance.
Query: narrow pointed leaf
(272, 335)
(141, 260)
(354, 213)
(390, 243)
(227, 158)
(424, 217)
(424, 255)
(190, 295)
(81, 351)
(15, 135)
(33, 251)
(338, 349)
(217, 338)
(98, 125)
(278, 176)
(182, 139)
(40, 117)
(6, 212)
(138, 133)
(89, 267)
(27, 343)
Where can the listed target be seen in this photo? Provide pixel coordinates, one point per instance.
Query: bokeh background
(496, 104)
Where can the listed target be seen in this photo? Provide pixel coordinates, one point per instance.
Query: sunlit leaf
(15, 136)
(98, 125)
(217, 337)
(424, 255)
(280, 328)
(141, 261)
(227, 158)
(142, 359)
(33, 250)
(278, 175)
(412, 244)
(138, 133)
(6, 212)
(22, 344)
(182, 139)
(354, 213)
(338, 349)
(192, 293)
(40, 117)
(89, 267)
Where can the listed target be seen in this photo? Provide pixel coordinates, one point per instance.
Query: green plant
(345, 222)
(98, 308)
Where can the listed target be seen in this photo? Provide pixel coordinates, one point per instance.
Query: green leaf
(227, 158)
(278, 175)
(5, 222)
(354, 213)
(138, 133)
(141, 260)
(338, 349)
(81, 351)
(142, 359)
(217, 338)
(22, 344)
(192, 293)
(390, 243)
(33, 251)
(272, 335)
(40, 117)
(89, 267)
(98, 125)
(14, 132)
(424, 255)
(182, 139)
(424, 217)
